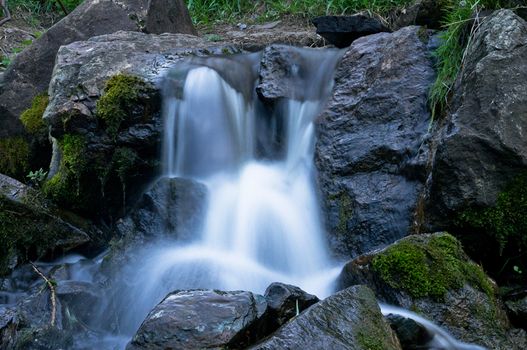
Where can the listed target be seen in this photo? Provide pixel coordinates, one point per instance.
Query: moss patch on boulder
(121, 93)
(31, 118)
(14, 156)
(429, 267)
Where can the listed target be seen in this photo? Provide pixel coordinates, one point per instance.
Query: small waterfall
(262, 224)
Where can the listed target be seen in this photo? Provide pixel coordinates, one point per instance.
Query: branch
(52, 296)
(7, 15)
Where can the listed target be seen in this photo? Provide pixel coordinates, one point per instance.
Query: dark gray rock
(371, 150)
(517, 310)
(430, 274)
(411, 334)
(30, 72)
(79, 301)
(483, 146)
(350, 319)
(31, 227)
(284, 301)
(341, 31)
(172, 206)
(199, 319)
(80, 76)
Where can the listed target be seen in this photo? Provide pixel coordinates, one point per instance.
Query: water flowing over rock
(350, 319)
(370, 150)
(430, 273)
(124, 157)
(30, 73)
(483, 145)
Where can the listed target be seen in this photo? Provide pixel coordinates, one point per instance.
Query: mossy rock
(14, 156)
(32, 117)
(429, 266)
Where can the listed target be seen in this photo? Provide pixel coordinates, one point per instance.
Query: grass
(206, 12)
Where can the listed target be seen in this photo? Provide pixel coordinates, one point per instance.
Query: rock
(371, 149)
(93, 79)
(517, 311)
(31, 228)
(282, 66)
(78, 300)
(172, 206)
(350, 319)
(168, 16)
(199, 319)
(431, 275)
(483, 146)
(411, 334)
(30, 72)
(284, 301)
(341, 31)
(427, 13)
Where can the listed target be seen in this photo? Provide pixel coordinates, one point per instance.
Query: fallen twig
(7, 15)
(52, 296)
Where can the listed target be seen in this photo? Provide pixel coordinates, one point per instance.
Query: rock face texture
(31, 71)
(483, 145)
(31, 228)
(430, 273)
(350, 319)
(369, 152)
(341, 31)
(198, 320)
(94, 81)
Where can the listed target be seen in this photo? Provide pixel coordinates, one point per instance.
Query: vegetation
(32, 117)
(121, 92)
(14, 156)
(429, 266)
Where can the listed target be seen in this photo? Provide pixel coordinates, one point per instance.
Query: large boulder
(199, 319)
(31, 228)
(483, 146)
(30, 72)
(105, 111)
(371, 153)
(431, 274)
(350, 319)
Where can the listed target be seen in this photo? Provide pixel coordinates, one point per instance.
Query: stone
(31, 70)
(31, 228)
(125, 157)
(517, 310)
(78, 300)
(428, 13)
(284, 301)
(431, 274)
(199, 319)
(482, 146)
(172, 206)
(341, 31)
(350, 319)
(371, 149)
(411, 334)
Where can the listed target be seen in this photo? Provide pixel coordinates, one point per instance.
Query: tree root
(7, 14)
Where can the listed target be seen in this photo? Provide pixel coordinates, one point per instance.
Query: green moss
(429, 267)
(120, 94)
(73, 153)
(14, 156)
(506, 221)
(32, 117)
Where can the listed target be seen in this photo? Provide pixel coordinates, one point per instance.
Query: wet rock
(199, 319)
(285, 301)
(483, 145)
(30, 72)
(78, 300)
(371, 149)
(31, 228)
(172, 206)
(284, 68)
(517, 311)
(350, 319)
(431, 275)
(411, 334)
(341, 31)
(123, 153)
